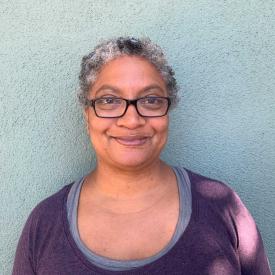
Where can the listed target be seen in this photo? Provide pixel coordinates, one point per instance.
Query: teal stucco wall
(223, 55)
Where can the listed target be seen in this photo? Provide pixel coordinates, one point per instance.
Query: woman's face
(131, 141)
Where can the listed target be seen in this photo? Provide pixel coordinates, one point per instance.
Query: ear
(86, 117)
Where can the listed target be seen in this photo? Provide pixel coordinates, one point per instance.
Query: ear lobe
(87, 128)
(86, 117)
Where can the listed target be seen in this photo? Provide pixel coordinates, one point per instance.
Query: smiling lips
(131, 140)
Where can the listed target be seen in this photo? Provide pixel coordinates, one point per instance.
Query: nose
(131, 119)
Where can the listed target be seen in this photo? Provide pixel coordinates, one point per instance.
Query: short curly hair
(110, 49)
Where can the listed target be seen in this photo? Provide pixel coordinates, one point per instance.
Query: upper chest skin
(129, 234)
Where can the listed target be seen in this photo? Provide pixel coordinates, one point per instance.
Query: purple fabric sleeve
(250, 245)
(23, 263)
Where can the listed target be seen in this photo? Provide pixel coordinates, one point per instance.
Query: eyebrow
(116, 89)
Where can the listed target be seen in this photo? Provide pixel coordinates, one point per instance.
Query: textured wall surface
(223, 55)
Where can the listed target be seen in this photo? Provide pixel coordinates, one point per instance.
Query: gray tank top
(185, 211)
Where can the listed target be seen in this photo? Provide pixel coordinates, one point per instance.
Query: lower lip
(132, 142)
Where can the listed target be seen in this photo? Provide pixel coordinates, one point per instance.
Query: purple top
(221, 238)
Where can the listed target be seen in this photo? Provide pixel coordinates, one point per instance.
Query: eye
(108, 103)
(108, 100)
(151, 100)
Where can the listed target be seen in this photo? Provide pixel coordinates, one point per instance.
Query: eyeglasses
(114, 107)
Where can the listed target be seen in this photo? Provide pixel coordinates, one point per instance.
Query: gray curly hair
(110, 49)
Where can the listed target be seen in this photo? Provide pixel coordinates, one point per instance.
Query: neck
(120, 183)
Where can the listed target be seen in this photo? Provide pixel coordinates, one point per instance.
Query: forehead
(129, 74)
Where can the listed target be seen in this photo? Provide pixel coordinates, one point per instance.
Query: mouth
(131, 140)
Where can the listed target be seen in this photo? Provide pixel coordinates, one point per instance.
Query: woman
(134, 214)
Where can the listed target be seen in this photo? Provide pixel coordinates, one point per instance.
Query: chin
(133, 162)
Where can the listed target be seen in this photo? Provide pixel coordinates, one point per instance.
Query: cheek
(161, 129)
(97, 130)
(98, 141)
(164, 124)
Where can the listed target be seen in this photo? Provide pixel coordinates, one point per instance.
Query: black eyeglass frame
(91, 103)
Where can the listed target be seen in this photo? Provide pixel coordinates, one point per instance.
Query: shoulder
(211, 190)
(43, 226)
(214, 198)
(46, 216)
(51, 205)
(44, 222)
